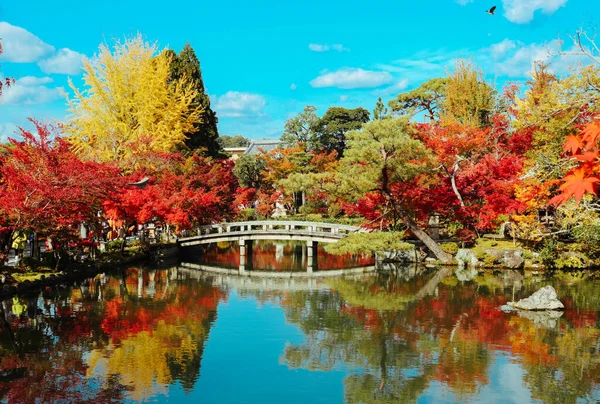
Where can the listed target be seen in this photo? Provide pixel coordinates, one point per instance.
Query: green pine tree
(205, 134)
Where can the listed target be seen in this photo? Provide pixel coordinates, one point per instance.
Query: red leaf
(587, 157)
(591, 133)
(577, 184)
(573, 145)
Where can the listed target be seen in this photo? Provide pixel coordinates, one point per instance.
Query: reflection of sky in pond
(242, 361)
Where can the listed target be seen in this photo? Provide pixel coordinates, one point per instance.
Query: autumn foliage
(581, 179)
(46, 187)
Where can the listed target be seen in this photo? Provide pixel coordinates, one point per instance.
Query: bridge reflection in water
(245, 233)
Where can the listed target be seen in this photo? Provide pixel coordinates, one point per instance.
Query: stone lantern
(434, 226)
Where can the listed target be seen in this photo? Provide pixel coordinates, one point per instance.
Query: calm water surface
(176, 335)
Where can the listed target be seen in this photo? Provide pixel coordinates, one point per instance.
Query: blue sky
(263, 61)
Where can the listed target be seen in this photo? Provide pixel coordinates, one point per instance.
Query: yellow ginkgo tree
(130, 108)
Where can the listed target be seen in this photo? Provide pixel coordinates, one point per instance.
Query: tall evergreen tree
(204, 134)
(380, 111)
(332, 128)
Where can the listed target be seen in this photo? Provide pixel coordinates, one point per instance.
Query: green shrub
(570, 261)
(487, 259)
(481, 255)
(550, 252)
(576, 247)
(490, 261)
(527, 255)
(450, 248)
(312, 207)
(305, 209)
(453, 227)
(369, 243)
(114, 245)
(246, 215)
(333, 210)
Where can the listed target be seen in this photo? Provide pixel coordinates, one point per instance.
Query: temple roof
(264, 144)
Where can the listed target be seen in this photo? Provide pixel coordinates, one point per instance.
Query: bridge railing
(274, 226)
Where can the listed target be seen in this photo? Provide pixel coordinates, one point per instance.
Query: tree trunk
(454, 187)
(452, 176)
(399, 212)
(433, 246)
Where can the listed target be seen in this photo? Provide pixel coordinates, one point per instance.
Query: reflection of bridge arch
(277, 274)
(246, 232)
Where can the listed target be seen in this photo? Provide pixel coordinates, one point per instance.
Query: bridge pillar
(245, 253)
(311, 265)
(311, 254)
(311, 248)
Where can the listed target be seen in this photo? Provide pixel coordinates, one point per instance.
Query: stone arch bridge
(246, 232)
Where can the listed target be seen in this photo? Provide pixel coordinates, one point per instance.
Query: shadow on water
(403, 334)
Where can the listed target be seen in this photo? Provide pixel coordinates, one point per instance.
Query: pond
(179, 335)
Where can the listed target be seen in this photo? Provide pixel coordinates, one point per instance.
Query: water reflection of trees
(110, 338)
(274, 256)
(397, 341)
(399, 335)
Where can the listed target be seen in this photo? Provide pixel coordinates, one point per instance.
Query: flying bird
(491, 10)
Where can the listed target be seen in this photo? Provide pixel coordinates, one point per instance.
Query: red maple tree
(46, 187)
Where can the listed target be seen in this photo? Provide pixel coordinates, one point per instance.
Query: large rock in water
(543, 299)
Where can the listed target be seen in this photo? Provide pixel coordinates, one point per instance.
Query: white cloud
(422, 66)
(29, 90)
(464, 2)
(500, 49)
(348, 78)
(65, 61)
(238, 104)
(317, 47)
(8, 129)
(515, 59)
(339, 47)
(508, 58)
(293, 86)
(30, 81)
(21, 46)
(522, 11)
(519, 62)
(343, 98)
(395, 88)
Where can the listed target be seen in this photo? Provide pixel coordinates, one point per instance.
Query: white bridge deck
(268, 230)
(245, 232)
